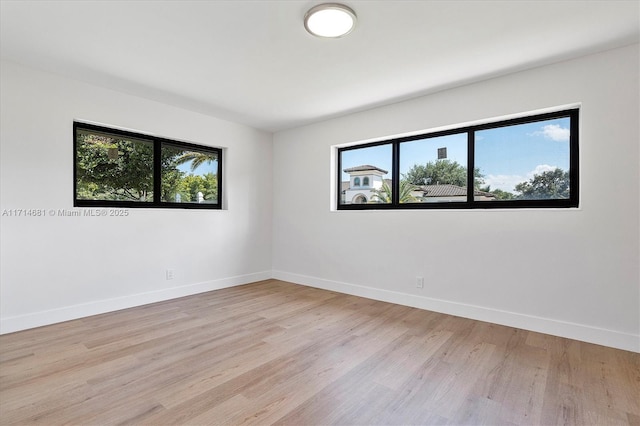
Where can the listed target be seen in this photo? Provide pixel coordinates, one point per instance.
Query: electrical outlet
(419, 282)
(170, 274)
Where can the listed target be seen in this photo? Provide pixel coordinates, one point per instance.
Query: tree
(552, 184)
(192, 184)
(499, 193)
(171, 175)
(502, 195)
(196, 158)
(383, 194)
(174, 181)
(114, 169)
(441, 172)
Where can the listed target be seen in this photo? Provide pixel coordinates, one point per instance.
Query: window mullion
(157, 172)
(471, 141)
(395, 174)
(573, 149)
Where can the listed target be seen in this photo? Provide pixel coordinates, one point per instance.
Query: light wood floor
(277, 353)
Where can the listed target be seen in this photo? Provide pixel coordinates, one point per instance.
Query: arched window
(360, 199)
(365, 181)
(356, 182)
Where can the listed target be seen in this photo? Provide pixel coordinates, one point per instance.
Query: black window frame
(470, 203)
(157, 171)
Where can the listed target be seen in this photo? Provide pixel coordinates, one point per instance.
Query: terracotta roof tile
(438, 190)
(449, 190)
(364, 168)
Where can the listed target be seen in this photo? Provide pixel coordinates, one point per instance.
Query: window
(114, 168)
(365, 181)
(429, 175)
(528, 162)
(352, 163)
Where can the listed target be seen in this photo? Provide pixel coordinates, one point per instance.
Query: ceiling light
(330, 20)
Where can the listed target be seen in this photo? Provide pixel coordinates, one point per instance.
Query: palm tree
(383, 194)
(196, 158)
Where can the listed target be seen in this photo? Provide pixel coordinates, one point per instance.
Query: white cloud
(503, 182)
(554, 132)
(509, 182)
(540, 168)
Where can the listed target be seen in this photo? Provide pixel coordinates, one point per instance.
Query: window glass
(524, 162)
(113, 167)
(371, 165)
(118, 168)
(189, 175)
(434, 170)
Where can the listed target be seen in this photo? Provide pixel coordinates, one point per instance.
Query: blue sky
(203, 169)
(506, 156)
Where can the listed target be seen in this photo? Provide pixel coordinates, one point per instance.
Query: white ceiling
(252, 61)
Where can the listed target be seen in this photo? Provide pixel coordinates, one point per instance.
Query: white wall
(58, 268)
(572, 273)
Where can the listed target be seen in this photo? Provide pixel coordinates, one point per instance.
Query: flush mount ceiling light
(330, 20)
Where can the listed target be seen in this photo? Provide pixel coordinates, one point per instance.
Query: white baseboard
(37, 319)
(585, 333)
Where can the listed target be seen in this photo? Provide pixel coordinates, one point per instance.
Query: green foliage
(110, 168)
(192, 184)
(126, 174)
(176, 182)
(499, 193)
(196, 158)
(552, 184)
(171, 175)
(383, 194)
(441, 172)
(502, 195)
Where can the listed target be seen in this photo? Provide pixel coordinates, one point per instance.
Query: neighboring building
(448, 192)
(363, 180)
